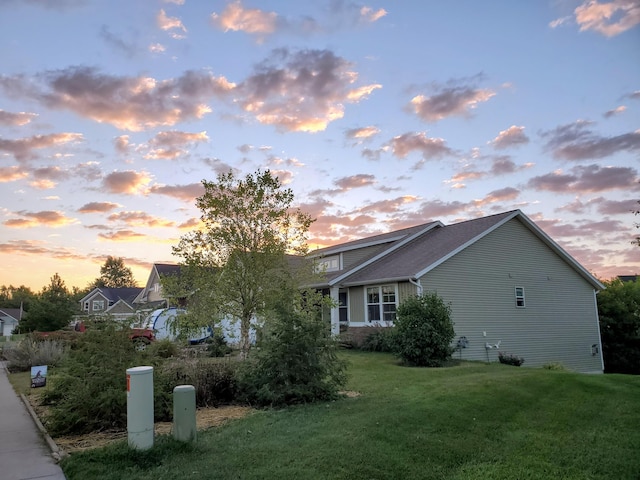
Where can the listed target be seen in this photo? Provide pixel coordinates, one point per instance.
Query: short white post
(184, 413)
(140, 407)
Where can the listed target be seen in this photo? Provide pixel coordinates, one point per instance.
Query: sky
(378, 115)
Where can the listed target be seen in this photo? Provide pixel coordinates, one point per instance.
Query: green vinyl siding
(558, 322)
(356, 304)
(354, 257)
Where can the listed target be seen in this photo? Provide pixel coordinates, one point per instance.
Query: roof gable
(417, 254)
(13, 313)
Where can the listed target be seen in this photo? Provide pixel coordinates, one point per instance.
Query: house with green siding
(511, 288)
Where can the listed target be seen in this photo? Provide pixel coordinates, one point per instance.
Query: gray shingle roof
(425, 250)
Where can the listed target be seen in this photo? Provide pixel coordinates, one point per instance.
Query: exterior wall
(405, 290)
(155, 293)
(121, 307)
(356, 305)
(353, 257)
(7, 324)
(559, 322)
(98, 297)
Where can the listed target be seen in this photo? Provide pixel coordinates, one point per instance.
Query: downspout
(595, 300)
(418, 285)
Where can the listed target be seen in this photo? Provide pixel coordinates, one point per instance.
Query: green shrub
(164, 348)
(380, 340)
(297, 363)
(424, 331)
(553, 366)
(29, 352)
(217, 346)
(214, 382)
(509, 359)
(88, 392)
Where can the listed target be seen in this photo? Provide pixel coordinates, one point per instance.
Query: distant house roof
(410, 253)
(115, 294)
(15, 313)
(166, 268)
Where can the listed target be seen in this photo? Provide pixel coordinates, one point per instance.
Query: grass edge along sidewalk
(464, 422)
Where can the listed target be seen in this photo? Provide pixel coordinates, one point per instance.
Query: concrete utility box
(140, 407)
(184, 413)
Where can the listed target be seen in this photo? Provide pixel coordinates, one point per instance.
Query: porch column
(335, 311)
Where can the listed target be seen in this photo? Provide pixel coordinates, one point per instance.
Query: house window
(343, 306)
(98, 305)
(381, 303)
(520, 297)
(329, 264)
(156, 287)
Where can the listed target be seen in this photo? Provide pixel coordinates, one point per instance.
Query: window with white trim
(328, 264)
(98, 305)
(520, 303)
(381, 303)
(343, 306)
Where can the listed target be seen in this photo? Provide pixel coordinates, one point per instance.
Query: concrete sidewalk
(24, 453)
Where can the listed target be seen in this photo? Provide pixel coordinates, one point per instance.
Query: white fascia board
(378, 281)
(406, 240)
(441, 260)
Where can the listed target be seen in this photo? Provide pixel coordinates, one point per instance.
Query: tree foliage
(16, 297)
(239, 256)
(424, 330)
(114, 274)
(298, 359)
(619, 312)
(52, 309)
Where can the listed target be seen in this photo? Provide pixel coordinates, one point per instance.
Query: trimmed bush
(424, 331)
(510, 359)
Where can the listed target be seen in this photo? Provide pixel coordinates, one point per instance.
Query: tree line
(53, 307)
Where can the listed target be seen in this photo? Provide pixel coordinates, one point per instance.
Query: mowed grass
(472, 421)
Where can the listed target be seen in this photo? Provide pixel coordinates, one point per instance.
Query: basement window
(520, 297)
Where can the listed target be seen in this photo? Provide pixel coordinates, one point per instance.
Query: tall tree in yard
(52, 309)
(249, 228)
(114, 274)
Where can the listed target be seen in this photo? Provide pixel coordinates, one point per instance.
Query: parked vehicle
(160, 322)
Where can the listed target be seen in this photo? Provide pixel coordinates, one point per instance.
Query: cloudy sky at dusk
(378, 115)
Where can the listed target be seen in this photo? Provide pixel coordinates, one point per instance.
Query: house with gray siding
(511, 288)
(116, 302)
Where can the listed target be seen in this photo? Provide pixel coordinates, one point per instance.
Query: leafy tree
(240, 254)
(15, 297)
(52, 309)
(114, 274)
(619, 312)
(424, 330)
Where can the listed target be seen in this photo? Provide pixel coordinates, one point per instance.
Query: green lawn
(472, 421)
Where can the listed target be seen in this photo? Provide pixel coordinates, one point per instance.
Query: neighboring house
(9, 319)
(508, 283)
(151, 297)
(117, 302)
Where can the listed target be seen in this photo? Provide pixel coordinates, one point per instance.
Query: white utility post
(140, 407)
